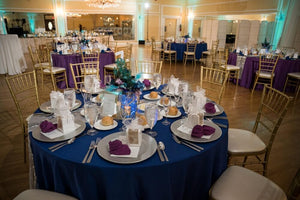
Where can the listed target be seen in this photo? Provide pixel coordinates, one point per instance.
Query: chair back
(80, 70)
(272, 109)
(148, 67)
(294, 188)
(213, 81)
(267, 64)
(191, 47)
(23, 89)
(167, 46)
(127, 49)
(90, 56)
(33, 56)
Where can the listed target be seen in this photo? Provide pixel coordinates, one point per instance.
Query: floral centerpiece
(128, 88)
(265, 44)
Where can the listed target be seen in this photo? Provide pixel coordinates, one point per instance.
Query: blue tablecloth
(180, 48)
(188, 174)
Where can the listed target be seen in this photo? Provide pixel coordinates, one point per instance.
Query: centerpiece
(127, 87)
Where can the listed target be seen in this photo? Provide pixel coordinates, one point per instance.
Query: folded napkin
(210, 108)
(117, 148)
(147, 83)
(198, 131)
(47, 126)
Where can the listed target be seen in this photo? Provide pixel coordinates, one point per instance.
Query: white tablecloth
(12, 60)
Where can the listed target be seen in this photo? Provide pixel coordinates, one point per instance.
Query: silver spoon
(162, 147)
(70, 141)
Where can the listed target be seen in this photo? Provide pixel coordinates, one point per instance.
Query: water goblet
(151, 114)
(70, 97)
(166, 104)
(157, 80)
(91, 115)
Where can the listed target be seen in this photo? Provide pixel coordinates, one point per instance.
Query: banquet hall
(171, 45)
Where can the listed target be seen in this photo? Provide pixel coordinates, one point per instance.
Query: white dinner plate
(173, 103)
(147, 96)
(150, 88)
(216, 135)
(99, 126)
(147, 149)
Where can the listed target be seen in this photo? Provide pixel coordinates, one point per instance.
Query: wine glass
(166, 104)
(151, 114)
(70, 97)
(91, 115)
(187, 102)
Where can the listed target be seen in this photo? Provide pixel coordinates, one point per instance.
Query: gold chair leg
(255, 82)
(286, 81)
(238, 76)
(66, 79)
(245, 160)
(53, 82)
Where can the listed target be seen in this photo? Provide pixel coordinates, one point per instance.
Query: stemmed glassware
(166, 102)
(151, 114)
(70, 97)
(157, 80)
(187, 102)
(91, 115)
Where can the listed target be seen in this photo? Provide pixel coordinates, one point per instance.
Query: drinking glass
(151, 114)
(157, 80)
(187, 102)
(166, 105)
(91, 115)
(70, 97)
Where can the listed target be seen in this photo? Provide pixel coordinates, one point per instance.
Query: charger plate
(221, 110)
(216, 135)
(36, 133)
(147, 149)
(46, 107)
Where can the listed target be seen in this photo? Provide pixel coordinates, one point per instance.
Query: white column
(60, 17)
(2, 24)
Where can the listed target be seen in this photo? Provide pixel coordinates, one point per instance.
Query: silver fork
(95, 147)
(186, 143)
(87, 153)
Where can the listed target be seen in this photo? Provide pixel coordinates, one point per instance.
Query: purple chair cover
(65, 61)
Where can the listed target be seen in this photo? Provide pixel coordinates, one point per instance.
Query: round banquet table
(188, 174)
(180, 48)
(65, 61)
(251, 65)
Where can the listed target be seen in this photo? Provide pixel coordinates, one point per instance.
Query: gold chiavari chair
(23, 89)
(293, 79)
(190, 53)
(34, 59)
(244, 143)
(127, 49)
(80, 70)
(233, 71)
(169, 54)
(148, 67)
(56, 74)
(213, 81)
(210, 54)
(155, 51)
(90, 56)
(265, 73)
(109, 69)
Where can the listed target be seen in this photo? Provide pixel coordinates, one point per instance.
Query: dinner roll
(173, 110)
(142, 120)
(107, 121)
(164, 100)
(153, 95)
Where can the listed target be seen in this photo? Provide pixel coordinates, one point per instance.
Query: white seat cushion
(230, 67)
(243, 141)
(169, 51)
(295, 75)
(110, 66)
(238, 183)
(37, 65)
(55, 70)
(264, 74)
(36, 194)
(189, 53)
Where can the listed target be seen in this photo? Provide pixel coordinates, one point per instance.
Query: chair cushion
(189, 53)
(37, 65)
(110, 66)
(36, 194)
(264, 74)
(169, 51)
(230, 67)
(238, 183)
(244, 142)
(55, 70)
(206, 52)
(295, 75)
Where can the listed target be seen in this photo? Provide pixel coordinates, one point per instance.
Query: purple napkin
(147, 83)
(47, 126)
(117, 148)
(210, 108)
(198, 131)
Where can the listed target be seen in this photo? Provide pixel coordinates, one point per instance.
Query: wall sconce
(180, 27)
(165, 28)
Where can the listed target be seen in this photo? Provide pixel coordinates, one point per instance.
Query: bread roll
(153, 95)
(142, 120)
(107, 121)
(164, 99)
(173, 110)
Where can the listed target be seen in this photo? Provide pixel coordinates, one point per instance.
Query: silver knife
(93, 151)
(160, 155)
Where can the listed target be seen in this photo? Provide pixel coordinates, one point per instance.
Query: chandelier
(103, 3)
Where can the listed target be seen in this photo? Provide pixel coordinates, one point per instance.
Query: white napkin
(173, 85)
(54, 96)
(198, 102)
(56, 133)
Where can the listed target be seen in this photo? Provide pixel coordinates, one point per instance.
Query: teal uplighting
(31, 19)
(61, 25)
(2, 23)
